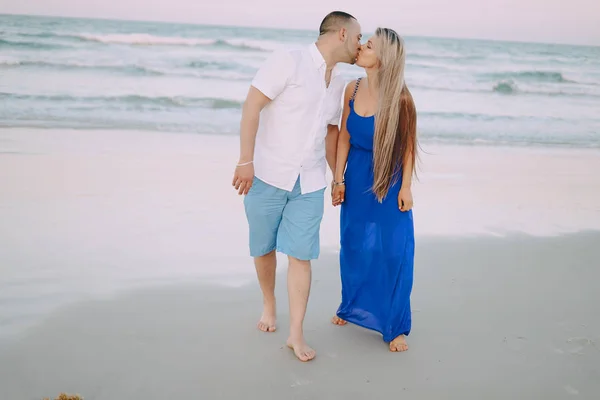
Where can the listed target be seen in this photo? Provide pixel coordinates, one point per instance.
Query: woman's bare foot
(267, 320)
(338, 321)
(399, 344)
(303, 351)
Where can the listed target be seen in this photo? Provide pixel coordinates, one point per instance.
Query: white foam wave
(9, 61)
(254, 44)
(145, 39)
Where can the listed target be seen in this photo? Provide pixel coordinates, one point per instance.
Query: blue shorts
(288, 222)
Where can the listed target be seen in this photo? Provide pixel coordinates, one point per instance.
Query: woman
(376, 155)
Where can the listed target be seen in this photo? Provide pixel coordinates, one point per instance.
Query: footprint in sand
(571, 390)
(300, 382)
(579, 344)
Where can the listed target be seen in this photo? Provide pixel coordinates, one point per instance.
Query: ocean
(105, 74)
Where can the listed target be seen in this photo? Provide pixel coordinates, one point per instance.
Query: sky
(554, 21)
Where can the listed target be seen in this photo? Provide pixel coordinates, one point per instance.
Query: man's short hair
(334, 21)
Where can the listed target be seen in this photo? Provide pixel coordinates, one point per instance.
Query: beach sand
(125, 275)
(493, 318)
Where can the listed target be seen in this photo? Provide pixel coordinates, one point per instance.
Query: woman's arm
(407, 171)
(408, 116)
(343, 147)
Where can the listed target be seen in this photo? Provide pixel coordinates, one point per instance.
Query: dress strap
(355, 88)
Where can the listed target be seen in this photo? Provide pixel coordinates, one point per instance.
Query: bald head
(334, 21)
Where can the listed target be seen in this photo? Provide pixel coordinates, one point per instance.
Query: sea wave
(505, 87)
(426, 55)
(29, 45)
(217, 65)
(508, 87)
(213, 70)
(484, 117)
(129, 69)
(531, 76)
(499, 140)
(144, 39)
(132, 100)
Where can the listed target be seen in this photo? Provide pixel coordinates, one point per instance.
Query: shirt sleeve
(335, 119)
(337, 114)
(274, 74)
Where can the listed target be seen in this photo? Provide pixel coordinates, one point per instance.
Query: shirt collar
(318, 59)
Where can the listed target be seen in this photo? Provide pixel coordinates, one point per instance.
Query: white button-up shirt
(290, 141)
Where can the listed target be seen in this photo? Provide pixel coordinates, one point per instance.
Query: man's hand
(405, 199)
(243, 177)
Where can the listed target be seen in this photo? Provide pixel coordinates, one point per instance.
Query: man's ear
(343, 34)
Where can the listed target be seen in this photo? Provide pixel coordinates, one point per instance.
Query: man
(288, 132)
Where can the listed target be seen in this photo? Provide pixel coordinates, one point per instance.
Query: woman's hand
(337, 194)
(405, 199)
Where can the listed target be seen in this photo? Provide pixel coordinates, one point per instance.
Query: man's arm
(255, 102)
(244, 171)
(331, 144)
(333, 134)
(270, 80)
(343, 148)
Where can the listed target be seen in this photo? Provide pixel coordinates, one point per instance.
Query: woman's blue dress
(377, 243)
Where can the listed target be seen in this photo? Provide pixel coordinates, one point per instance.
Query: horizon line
(221, 25)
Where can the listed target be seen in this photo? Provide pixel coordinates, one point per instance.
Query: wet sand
(493, 318)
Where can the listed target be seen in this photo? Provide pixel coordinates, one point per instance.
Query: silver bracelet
(343, 182)
(246, 163)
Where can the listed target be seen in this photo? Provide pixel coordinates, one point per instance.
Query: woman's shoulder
(351, 87)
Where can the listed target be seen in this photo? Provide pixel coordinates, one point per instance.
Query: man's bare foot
(267, 320)
(399, 344)
(338, 321)
(303, 351)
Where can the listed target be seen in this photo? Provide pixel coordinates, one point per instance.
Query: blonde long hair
(395, 123)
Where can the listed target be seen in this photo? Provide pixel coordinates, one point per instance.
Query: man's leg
(298, 237)
(265, 270)
(299, 280)
(264, 205)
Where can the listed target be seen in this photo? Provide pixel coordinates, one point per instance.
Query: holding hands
(338, 191)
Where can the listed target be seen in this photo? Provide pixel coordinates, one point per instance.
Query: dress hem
(385, 339)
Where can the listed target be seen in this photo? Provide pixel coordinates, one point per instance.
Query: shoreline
(427, 141)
